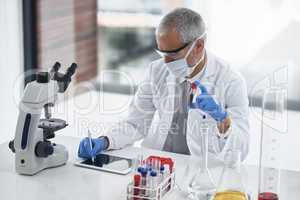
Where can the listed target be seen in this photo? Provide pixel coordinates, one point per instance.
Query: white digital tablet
(108, 163)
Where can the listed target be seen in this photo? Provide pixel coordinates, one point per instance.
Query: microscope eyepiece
(62, 79)
(71, 70)
(55, 67)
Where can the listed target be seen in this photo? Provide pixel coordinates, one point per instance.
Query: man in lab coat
(219, 99)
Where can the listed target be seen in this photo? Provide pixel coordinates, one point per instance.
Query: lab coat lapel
(210, 69)
(167, 114)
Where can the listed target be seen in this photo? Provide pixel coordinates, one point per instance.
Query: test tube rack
(152, 193)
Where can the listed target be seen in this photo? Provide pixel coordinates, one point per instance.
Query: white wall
(11, 63)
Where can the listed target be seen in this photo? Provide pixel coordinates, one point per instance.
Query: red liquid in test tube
(137, 183)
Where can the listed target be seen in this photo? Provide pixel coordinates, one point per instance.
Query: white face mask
(191, 69)
(180, 68)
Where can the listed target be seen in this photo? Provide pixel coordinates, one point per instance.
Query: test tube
(137, 184)
(158, 164)
(162, 169)
(149, 165)
(166, 175)
(138, 162)
(195, 92)
(144, 180)
(153, 184)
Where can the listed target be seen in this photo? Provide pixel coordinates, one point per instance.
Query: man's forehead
(167, 32)
(168, 39)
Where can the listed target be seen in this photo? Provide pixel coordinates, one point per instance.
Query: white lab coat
(157, 93)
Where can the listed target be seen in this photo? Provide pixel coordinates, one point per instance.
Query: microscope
(33, 149)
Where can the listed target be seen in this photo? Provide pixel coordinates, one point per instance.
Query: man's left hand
(207, 103)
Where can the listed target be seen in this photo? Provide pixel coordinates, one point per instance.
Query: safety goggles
(172, 53)
(175, 53)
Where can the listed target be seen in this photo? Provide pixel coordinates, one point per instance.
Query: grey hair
(188, 23)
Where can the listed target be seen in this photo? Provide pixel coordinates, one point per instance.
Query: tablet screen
(109, 162)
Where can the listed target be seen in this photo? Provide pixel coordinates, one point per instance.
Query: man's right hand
(98, 145)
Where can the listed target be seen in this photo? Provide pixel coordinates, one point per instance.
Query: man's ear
(199, 46)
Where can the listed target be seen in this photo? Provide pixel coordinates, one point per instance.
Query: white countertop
(70, 182)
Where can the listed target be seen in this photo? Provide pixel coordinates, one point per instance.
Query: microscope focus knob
(42, 77)
(11, 146)
(43, 149)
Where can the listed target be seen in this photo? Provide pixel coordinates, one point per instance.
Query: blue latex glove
(207, 103)
(85, 150)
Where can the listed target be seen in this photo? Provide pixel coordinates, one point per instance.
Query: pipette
(91, 145)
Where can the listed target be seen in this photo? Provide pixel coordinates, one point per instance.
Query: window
(126, 39)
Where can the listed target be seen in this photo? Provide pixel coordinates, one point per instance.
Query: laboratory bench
(70, 182)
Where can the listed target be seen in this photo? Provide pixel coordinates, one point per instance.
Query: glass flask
(273, 127)
(202, 185)
(231, 186)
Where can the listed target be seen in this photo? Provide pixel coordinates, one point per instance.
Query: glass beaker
(273, 125)
(231, 186)
(202, 185)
